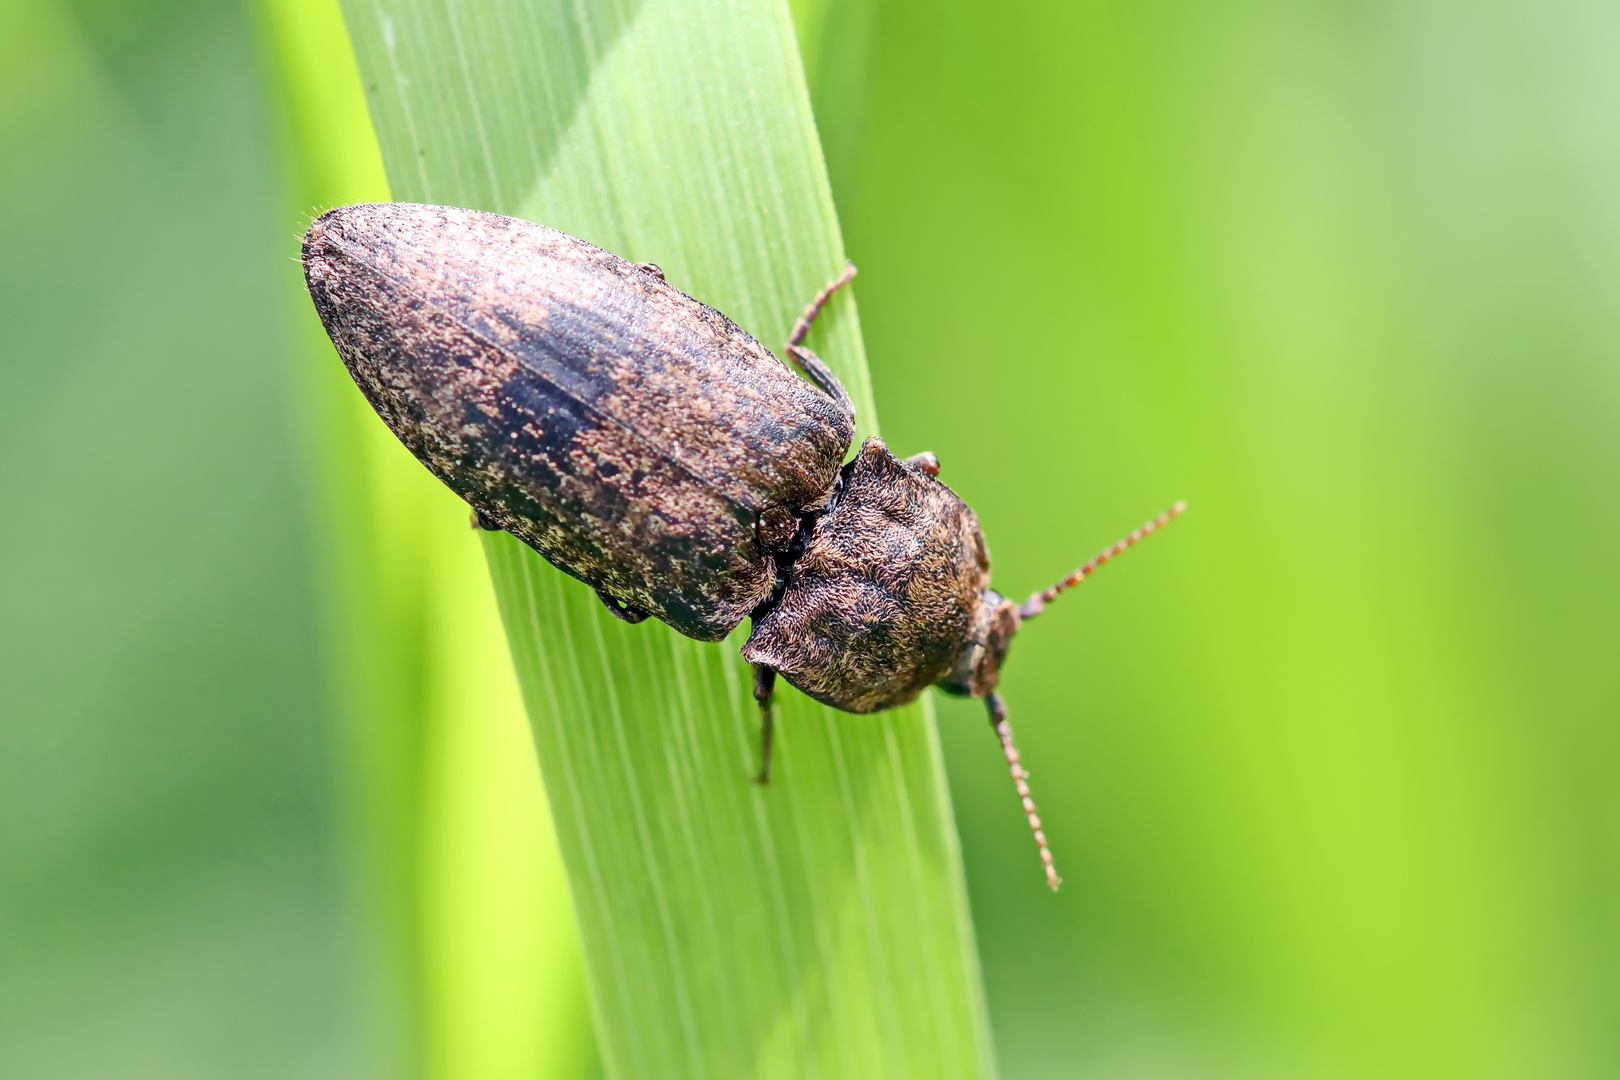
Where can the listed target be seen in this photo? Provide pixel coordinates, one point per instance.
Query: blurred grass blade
(472, 952)
(167, 902)
(817, 928)
(835, 39)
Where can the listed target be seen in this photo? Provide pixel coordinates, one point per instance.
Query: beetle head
(978, 665)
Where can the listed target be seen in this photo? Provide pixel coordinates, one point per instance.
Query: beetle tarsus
(764, 688)
(802, 327)
(621, 610)
(1003, 730)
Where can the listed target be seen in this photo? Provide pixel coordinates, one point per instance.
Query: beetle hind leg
(802, 327)
(764, 689)
(822, 375)
(813, 365)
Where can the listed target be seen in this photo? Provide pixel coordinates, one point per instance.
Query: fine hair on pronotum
(998, 709)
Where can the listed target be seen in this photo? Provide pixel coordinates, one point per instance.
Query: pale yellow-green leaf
(469, 929)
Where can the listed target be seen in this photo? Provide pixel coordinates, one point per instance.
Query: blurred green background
(1329, 768)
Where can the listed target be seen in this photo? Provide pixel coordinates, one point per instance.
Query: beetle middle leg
(621, 610)
(764, 688)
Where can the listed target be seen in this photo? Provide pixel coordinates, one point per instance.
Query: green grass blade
(167, 902)
(817, 928)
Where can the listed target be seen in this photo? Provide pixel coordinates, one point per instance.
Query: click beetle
(645, 444)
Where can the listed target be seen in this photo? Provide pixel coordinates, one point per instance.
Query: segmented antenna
(998, 721)
(1038, 601)
(802, 327)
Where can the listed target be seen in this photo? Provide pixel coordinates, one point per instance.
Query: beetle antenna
(1037, 601)
(802, 328)
(1003, 730)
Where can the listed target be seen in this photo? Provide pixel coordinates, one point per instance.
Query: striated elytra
(645, 444)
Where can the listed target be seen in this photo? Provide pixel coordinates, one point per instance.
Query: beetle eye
(959, 683)
(1003, 624)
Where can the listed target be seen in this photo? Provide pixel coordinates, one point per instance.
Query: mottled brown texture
(888, 595)
(643, 443)
(636, 438)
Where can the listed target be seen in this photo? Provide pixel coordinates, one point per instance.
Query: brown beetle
(644, 443)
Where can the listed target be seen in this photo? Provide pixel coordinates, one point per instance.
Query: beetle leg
(480, 520)
(802, 327)
(621, 611)
(820, 374)
(764, 688)
(1003, 730)
(652, 268)
(927, 461)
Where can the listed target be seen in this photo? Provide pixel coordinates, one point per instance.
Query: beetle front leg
(764, 688)
(927, 461)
